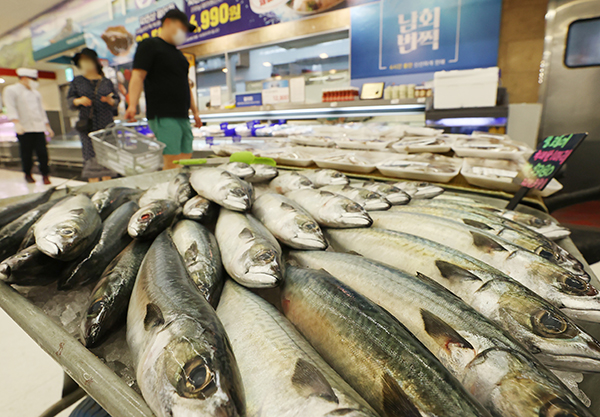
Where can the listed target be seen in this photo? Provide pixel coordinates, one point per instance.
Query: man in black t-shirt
(162, 71)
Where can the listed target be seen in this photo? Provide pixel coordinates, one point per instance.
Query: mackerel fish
(15, 232)
(110, 199)
(179, 188)
(183, 359)
(290, 181)
(263, 173)
(197, 208)
(239, 169)
(113, 239)
(509, 230)
(13, 211)
(288, 222)
(394, 195)
(250, 253)
(418, 190)
(331, 210)
(200, 253)
(369, 200)
(283, 375)
(323, 177)
(157, 192)
(149, 221)
(68, 229)
(463, 340)
(547, 227)
(108, 302)
(223, 188)
(572, 294)
(31, 267)
(539, 326)
(371, 350)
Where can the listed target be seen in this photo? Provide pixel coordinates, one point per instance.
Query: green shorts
(176, 133)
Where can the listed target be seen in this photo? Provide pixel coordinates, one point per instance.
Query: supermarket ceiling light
(2, 80)
(267, 64)
(323, 56)
(201, 69)
(332, 71)
(224, 70)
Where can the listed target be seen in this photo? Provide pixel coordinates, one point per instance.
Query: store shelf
(358, 108)
(495, 112)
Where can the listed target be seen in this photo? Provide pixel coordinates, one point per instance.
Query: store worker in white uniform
(24, 107)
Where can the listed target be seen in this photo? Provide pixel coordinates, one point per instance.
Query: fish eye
(577, 286)
(146, 216)
(265, 256)
(197, 380)
(536, 221)
(309, 226)
(238, 192)
(95, 307)
(546, 254)
(354, 208)
(558, 408)
(67, 231)
(306, 183)
(547, 324)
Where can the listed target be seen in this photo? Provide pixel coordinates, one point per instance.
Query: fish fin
(326, 193)
(191, 252)
(154, 317)
(482, 241)
(246, 234)
(310, 382)
(450, 271)
(441, 332)
(436, 284)
(345, 412)
(77, 211)
(287, 207)
(475, 223)
(395, 401)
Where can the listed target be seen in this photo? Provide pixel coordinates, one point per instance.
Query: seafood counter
(247, 290)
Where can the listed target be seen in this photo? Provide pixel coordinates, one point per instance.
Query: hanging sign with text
(546, 161)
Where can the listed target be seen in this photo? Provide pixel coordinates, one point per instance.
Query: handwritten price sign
(546, 161)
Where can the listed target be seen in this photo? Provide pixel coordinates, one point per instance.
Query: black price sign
(545, 163)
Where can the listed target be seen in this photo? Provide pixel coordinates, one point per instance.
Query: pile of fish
(390, 299)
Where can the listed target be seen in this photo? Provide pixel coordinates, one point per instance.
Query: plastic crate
(126, 151)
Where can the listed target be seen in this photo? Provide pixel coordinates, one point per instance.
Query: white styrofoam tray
(423, 167)
(498, 174)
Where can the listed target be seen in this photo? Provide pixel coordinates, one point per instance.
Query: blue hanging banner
(415, 36)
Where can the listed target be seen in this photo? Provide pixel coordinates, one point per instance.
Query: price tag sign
(545, 163)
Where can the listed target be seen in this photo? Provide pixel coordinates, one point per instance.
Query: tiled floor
(30, 381)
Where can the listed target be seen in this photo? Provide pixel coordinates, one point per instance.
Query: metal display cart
(95, 372)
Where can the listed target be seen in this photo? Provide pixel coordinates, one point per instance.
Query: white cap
(27, 72)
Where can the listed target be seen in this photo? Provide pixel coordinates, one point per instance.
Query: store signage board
(150, 22)
(417, 36)
(217, 18)
(550, 155)
(249, 99)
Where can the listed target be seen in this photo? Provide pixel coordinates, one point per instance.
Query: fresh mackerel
(543, 329)
(454, 332)
(283, 375)
(371, 350)
(576, 297)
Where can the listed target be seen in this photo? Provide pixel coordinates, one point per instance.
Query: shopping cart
(126, 151)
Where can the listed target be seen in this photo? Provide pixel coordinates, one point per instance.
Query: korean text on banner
(415, 36)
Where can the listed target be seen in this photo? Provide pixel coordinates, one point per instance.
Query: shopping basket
(126, 151)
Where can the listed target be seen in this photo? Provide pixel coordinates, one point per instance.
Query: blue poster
(414, 36)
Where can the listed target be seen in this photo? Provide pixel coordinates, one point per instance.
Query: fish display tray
(99, 374)
(126, 151)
